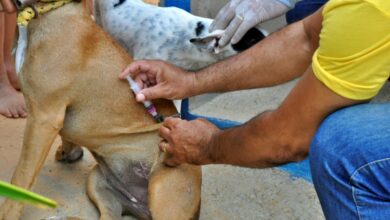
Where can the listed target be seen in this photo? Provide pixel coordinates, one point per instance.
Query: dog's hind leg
(174, 193)
(41, 130)
(101, 195)
(68, 152)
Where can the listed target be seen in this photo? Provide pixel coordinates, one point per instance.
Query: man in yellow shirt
(342, 53)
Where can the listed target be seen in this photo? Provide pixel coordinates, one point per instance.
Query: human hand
(187, 141)
(158, 79)
(238, 16)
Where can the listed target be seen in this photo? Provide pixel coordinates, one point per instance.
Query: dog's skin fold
(71, 88)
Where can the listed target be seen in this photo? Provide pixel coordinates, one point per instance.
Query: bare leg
(9, 38)
(11, 102)
(101, 195)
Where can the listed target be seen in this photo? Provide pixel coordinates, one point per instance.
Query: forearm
(279, 58)
(280, 136)
(261, 143)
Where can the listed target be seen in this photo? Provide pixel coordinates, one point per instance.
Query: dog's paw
(69, 155)
(10, 210)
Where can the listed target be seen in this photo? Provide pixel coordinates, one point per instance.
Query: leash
(25, 15)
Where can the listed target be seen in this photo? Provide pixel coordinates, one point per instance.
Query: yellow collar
(40, 8)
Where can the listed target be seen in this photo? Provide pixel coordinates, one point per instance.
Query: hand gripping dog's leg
(41, 130)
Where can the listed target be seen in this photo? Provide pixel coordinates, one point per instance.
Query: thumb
(149, 94)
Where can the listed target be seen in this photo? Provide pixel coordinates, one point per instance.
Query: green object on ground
(22, 195)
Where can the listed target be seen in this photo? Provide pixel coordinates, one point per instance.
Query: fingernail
(140, 97)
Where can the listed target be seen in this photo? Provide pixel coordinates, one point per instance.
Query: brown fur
(71, 88)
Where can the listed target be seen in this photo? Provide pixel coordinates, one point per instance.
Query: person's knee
(335, 140)
(348, 138)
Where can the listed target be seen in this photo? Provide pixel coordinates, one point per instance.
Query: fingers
(241, 31)
(136, 68)
(144, 73)
(165, 147)
(169, 158)
(171, 122)
(223, 18)
(164, 133)
(167, 126)
(229, 32)
(148, 94)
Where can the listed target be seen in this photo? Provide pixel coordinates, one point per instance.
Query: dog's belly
(126, 170)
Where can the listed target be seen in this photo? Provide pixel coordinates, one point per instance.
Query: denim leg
(350, 163)
(303, 9)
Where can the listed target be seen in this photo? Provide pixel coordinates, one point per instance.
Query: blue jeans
(350, 163)
(302, 9)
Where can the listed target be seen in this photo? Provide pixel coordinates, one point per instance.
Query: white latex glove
(238, 16)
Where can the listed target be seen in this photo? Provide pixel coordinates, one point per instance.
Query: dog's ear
(209, 42)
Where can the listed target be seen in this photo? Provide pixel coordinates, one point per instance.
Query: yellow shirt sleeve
(353, 58)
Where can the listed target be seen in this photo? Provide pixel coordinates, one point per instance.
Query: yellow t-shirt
(353, 58)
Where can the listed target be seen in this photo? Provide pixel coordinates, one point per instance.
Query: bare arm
(272, 138)
(281, 57)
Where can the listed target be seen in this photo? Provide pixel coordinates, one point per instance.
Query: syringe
(148, 104)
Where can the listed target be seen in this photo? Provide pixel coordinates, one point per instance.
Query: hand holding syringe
(148, 104)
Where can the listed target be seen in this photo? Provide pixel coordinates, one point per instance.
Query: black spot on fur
(119, 3)
(252, 37)
(199, 28)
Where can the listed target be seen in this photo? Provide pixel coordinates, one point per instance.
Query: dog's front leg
(41, 130)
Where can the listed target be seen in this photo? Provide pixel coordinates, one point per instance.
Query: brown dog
(71, 88)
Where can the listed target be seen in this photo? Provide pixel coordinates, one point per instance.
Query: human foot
(11, 102)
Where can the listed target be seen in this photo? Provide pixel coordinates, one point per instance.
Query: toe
(22, 112)
(14, 113)
(6, 113)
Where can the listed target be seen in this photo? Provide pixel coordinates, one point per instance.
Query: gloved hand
(238, 16)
